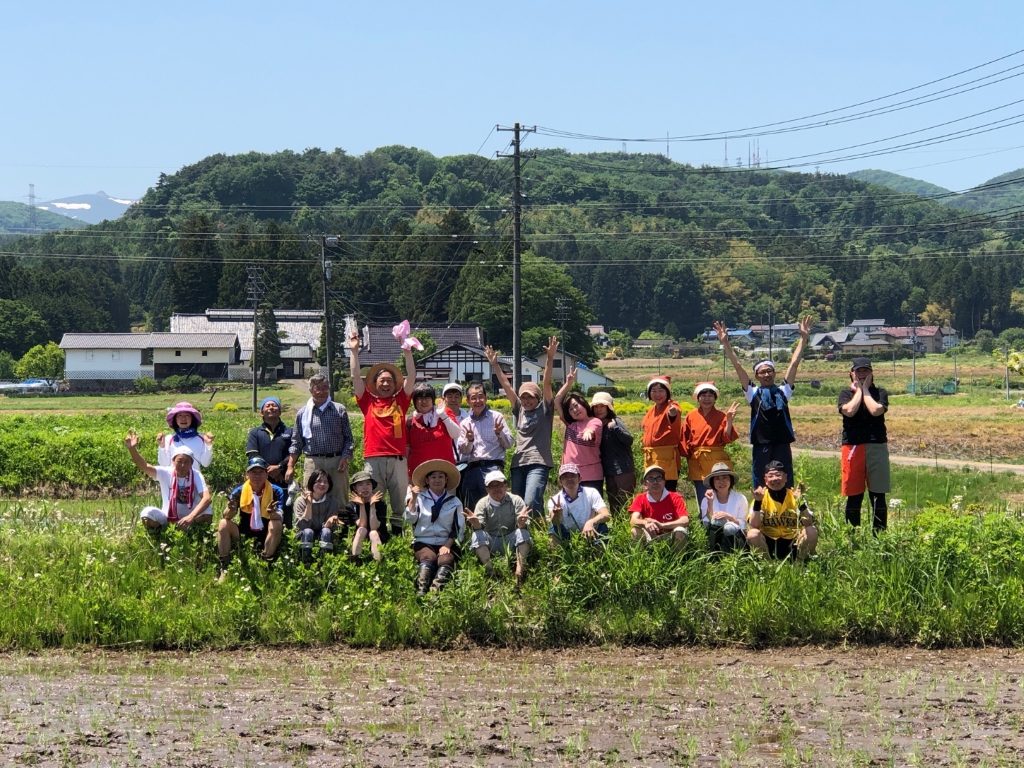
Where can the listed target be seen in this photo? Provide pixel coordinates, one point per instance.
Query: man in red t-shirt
(384, 398)
(657, 512)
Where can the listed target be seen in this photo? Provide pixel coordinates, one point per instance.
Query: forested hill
(898, 183)
(20, 218)
(996, 196)
(631, 241)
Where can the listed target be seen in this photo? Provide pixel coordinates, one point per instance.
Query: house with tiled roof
(112, 361)
(378, 344)
(299, 329)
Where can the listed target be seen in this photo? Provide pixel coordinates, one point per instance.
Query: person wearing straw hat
(616, 452)
(706, 432)
(723, 510)
(771, 427)
(436, 516)
(384, 397)
(658, 513)
(500, 521)
(662, 429)
(257, 503)
(184, 495)
(323, 434)
(865, 451)
(534, 412)
(185, 419)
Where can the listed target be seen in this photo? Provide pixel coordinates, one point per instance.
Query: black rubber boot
(443, 574)
(424, 578)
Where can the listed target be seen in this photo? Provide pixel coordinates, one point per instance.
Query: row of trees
(633, 242)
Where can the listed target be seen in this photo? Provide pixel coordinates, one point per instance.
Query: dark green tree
(21, 327)
(268, 342)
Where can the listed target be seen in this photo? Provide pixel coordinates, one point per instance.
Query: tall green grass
(939, 579)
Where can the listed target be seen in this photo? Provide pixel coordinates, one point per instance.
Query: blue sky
(107, 95)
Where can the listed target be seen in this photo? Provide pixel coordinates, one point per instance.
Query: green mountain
(998, 195)
(898, 183)
(632, 241)
(17, 218)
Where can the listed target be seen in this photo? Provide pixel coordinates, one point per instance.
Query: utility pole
(913, 352)
(517, 250)
(562, 313)
(256, 287)
(325, 278)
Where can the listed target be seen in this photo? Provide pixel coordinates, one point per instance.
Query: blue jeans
(529, 483)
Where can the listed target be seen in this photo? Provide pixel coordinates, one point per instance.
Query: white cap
(154, 514)
(182, 450)
(494, 476)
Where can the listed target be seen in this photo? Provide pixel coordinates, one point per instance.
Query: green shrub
(144, 385)
(190, 383)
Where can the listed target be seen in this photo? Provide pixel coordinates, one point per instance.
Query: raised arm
(410, 373)
(506, 385)
(563, 390)
(723, 339)
(794, 363)
(549, 364)
(131, 441)
(358, 387)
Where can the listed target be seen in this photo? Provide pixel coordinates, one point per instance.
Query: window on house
(204, 353)
(177, 353)
(147, 356)
(556, 363)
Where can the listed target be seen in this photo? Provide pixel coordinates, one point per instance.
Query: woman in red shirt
(431, 430)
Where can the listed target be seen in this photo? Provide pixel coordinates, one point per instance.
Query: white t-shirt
(165, 476)
(576, 512)
(735, 505)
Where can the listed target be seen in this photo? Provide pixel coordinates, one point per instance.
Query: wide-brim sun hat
(665, 381)
(419, 475)
(721, 469)
(183, 407)
(370, 382)
(603, 398)
(705, 386)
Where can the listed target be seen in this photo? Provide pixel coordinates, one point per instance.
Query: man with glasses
(658, 513)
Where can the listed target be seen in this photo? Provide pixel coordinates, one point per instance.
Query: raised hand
(131, 440)
(353, 341)
(805, 326)
(491, 355)
(722, 331)
(731, 410)
(759, 492)
(552, 347)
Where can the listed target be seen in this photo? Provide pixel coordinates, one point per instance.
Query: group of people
(439, 468)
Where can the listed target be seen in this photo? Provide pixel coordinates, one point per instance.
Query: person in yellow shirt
(779, 524)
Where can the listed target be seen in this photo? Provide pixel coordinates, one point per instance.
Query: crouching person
(367, 510)
(723, 510)
(500, 520)
(316, 515)
(576, 509)
(659, 513)
(780, 524)
(258, 505)
(184, 497)
(435, 513)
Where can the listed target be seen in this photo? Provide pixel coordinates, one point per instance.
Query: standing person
(706, 432)
(384, 397)
(500, 521)
(662, 429)
(323, 433)
(257, 503)
(780, 525)
(185, 419)
(771, 427)
(616, 452)
(316, 516)
(659, 513)
(723, 510)
(583, 430)
(432, 432)
(436, 516)
(452, 394)
(184, 497)
(534, 413)
(272, 441)
(484, 440)
(865, 452)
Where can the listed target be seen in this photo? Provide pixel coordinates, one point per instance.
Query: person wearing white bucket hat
(771, 427)
(706, 432)
(184, 497)
(616, 452)
(723, 510)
